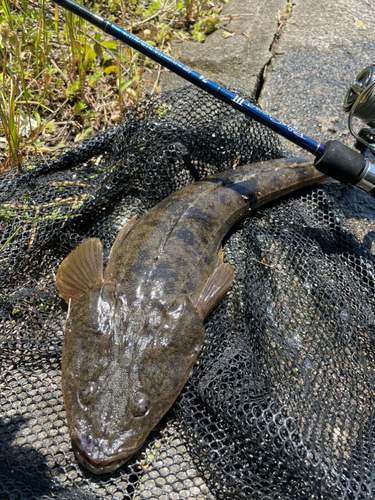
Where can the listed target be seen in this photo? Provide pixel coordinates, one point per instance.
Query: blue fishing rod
(333, 158)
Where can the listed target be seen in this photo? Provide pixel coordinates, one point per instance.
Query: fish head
(122, 369)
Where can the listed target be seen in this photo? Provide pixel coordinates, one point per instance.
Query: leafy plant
(61, 78)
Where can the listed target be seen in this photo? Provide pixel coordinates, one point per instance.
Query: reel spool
(360, 102)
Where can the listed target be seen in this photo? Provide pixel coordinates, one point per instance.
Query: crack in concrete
(283, 17)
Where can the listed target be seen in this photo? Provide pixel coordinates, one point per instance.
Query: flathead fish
(136, 329)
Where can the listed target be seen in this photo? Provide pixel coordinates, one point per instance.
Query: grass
(62, 79)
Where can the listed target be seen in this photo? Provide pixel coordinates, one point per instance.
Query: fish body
(136, 329)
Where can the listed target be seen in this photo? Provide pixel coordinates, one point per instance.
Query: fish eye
(141, 405)
(89, 393)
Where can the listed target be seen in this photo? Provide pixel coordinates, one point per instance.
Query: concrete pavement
(299, 63)
(240, 58)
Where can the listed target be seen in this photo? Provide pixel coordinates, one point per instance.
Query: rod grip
(341, 163)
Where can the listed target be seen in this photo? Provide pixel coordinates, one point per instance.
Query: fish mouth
(102, 466)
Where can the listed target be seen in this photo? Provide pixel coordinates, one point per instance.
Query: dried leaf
(359, 24)
(110, 69)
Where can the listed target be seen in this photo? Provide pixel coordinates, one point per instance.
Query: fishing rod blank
(192, 76)
(334, 158)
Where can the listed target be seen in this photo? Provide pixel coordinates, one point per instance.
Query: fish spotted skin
(135, 329)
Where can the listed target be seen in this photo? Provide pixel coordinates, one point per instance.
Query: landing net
(281, 403)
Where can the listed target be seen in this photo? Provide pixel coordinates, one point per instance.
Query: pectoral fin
(215, 289)
(122, 233)
(81, 270)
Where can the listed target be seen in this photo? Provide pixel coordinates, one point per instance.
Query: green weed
(62, 79)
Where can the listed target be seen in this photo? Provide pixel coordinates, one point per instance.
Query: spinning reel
(359, 102)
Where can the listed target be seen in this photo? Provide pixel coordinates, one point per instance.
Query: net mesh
(280, 403)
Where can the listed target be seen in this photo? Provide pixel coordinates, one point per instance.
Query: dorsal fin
(81, 270)
(122, 233)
